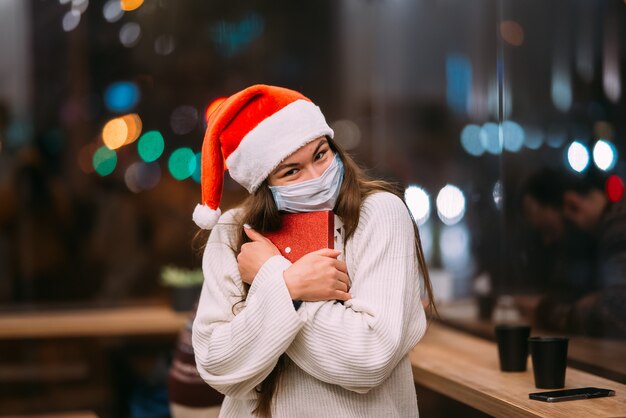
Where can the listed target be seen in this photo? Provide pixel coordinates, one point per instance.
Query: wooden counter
(466, 368)
(100, 322)
(600, 356)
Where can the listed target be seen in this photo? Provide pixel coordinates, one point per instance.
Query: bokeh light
(512, 32)
(471, 140)
(164, 45)
(150, 146)
(134, 126)
(121, 96)
(450, 204)
(533, 137)
(141, 176)
(71, 19)
(198, 171)
(604, 155)
(614, 188)
(129, 5)
(418, 203)
(513, 136)
(347, 133)
(577, 156)
(130, 34)
(114, 133)
(214, 105)
(491, 139)
(454, 246)
(80, 5)
(498, 194)
(112, 11)
(183, 119)
(104, 161)
(182, 163)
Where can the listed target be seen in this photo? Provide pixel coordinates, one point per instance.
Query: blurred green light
(151, 146)
(104, 161)
(196, 172)
(182, 163)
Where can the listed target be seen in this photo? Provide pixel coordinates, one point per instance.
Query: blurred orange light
(134, 125)
(512, 32)
(114, 133)
(214, 105)
(128, 5)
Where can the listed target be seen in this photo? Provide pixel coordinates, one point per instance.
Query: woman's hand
(318, 276)
(254, 254)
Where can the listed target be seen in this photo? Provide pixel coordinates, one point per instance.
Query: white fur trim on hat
(205, 217)
(274, 139)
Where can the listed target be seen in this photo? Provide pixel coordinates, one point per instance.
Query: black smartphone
(571, 394)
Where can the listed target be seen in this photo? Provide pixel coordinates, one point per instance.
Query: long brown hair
(260, 212)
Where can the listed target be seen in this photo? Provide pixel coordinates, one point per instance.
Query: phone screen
(571, 394)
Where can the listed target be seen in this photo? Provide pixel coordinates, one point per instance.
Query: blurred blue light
(471, 140)
(533, 138)
(490, 139)
(458, 81)
(231, 38)
(513, 136)
(121, 96)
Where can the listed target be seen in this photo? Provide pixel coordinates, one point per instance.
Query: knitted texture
(344, 360)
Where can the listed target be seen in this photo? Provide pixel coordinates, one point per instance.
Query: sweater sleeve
(358, 344)
(234, 353)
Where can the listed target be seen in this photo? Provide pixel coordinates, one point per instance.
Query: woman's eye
(320, 154)
(290, 172)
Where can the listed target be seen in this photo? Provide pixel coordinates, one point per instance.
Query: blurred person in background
(575, 215)
(313, 337)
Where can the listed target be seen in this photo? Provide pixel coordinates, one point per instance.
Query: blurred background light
(112, 11)
(80, 5)
(471, 140)
(164, 45)
(490, 139)
(104, 161)
(458, 82)
(604, 155)
(454, 246)
(614, 188)
(134, 126)
(561, 90)
(512, 32)
(212, 106)
(196, 173)
(611, 81)
(603, 129)
(130, 34)
(347, 134)
(150, 146)
(114, 133)
(555, 137)
(498, 194)
(121, 96)
(71, 19)
(141, 176)
(230, 38)
(450, 204)
(182, 163)
(513, 136)
(577, 156)
(533, 137)
(129, 5)
(183, 119)
(418, 203)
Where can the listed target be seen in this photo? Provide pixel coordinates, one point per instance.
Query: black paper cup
(549, 356)
(512, 346)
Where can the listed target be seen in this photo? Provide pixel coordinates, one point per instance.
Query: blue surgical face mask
(311, 195)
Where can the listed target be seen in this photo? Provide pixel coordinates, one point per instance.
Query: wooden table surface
(466, 368)
(602, 356)
(96, 322)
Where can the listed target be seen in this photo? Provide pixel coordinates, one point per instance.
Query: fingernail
(247, 226)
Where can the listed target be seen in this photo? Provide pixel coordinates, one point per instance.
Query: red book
(302, 233)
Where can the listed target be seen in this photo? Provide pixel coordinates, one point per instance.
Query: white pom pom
(205, 217)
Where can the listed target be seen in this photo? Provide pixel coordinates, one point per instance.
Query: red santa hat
(250, 134)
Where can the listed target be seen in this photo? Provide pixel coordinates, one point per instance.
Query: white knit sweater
(344, 360)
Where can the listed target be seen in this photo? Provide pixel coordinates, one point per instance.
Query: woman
(320, 337)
